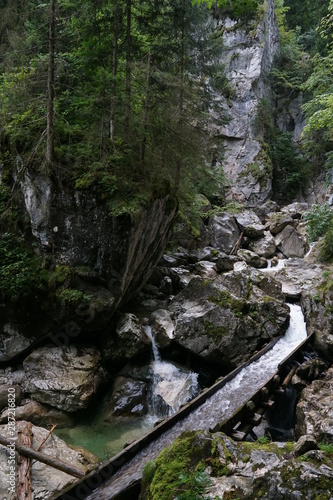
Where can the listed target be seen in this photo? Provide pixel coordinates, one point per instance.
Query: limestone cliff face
(248, 52)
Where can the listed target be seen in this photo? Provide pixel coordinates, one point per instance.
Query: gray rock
(246, 470)
(225, 263)
(10, 392)
(206, 269)
(304, 444)
(250, 224)
(265, 246)
(224, 232)
(39, 415)
(278, 221)
(127, 399)
(227, 319)
(291, 243)
(252, 258)
(64, 377)
(314, 412)
(163, 327)
(127, 342)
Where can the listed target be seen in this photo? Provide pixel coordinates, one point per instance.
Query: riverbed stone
(278, 221)
(66, 378)
(40, 415)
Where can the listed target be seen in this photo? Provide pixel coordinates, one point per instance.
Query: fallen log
(42, 457)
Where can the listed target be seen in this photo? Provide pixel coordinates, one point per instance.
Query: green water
(106, 439)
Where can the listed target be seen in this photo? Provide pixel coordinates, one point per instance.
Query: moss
(179, 468)
(216, 332)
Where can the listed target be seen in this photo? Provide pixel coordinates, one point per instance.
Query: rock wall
(118, 253)
(248, 52)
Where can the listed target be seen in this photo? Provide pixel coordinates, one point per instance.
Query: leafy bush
(326, 252)
(19, 270)
(318, 221)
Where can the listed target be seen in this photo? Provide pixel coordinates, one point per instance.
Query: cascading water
(172, 386)
(218, 407)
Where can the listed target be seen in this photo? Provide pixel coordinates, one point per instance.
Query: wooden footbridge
(239, 425)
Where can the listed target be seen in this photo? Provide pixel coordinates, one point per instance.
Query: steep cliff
(249, 51)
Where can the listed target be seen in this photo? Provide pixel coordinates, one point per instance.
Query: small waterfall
(171, 387)
(156, 352)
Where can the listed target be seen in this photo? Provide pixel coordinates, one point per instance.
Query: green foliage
(318, 220)
(327, 448)
(291, 170)
(237, 9)
(20, 276)
(100, 78)
(263, 440)
(72, 296)
(326, 251)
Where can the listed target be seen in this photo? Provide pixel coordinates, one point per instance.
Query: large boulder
(318, 309)
(224, 232)
(39, 414)
(314, 412)
(252, 258)
(226, 320)
(278, 221)
(250, 224)
(291, 243)
(163, 327)
(64, 377)
(264, 246)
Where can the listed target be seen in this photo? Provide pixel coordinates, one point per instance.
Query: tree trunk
(128, 68)
(145, 118)
(181, 104)
(114, 70)
(50, 88)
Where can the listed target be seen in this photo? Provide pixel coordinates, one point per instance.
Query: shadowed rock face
(314, 413)
(111, 258)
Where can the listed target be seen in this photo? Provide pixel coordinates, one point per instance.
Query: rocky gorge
(211, 307)
(82, 356)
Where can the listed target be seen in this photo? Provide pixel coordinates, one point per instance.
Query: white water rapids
(218, 407)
